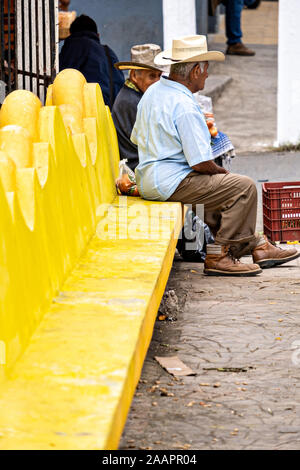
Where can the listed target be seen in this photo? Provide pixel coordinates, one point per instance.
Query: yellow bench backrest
(57, 164)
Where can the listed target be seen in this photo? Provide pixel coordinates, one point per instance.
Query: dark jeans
(233, 20)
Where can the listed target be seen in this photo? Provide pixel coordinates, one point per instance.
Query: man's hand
(209, 168)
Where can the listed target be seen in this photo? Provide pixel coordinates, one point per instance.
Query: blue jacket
(83, 51)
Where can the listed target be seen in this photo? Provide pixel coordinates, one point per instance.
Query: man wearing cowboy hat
(176, 163)
(143, 73)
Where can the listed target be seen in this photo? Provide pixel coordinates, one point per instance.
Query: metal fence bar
(16, 33)
(41, 39)
(33, 49)
(44, 42)
(2, 41)
(23, 41)
(28, 44)
(52, 37)
(9, 85)
(37, 52)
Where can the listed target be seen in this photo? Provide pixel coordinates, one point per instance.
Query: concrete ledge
(215, 86)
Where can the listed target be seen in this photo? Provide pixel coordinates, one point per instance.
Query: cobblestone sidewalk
(238, 336)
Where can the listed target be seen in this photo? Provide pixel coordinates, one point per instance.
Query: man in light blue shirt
(168, 148)
(176, 163)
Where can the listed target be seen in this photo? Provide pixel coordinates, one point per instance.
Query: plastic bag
(191, 234)
(205, 103)
(126, 183)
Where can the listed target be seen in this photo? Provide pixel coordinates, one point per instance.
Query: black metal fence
(7, 47)
(28, 45)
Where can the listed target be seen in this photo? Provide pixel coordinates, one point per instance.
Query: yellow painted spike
(72, 118)
(114, 147)
(21, 108)
(49, 97)
(25, 183)
(93, 101)
(82, 272)
(91, 132)
(7, 172)
(41, 161)
(17, 143)
(68, 89)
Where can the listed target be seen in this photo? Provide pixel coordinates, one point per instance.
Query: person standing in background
(234, 33)
(83, 51)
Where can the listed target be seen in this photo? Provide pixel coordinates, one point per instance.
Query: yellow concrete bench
(82, 272)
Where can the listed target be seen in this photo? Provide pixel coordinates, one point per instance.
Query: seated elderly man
(176, 163)
(143, 73)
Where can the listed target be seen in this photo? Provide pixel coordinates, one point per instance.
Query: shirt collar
(178, 86)
(131, 85)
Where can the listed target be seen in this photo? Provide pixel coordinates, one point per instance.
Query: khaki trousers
(230, 204)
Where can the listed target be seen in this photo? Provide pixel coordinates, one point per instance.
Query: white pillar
(288, 111)
(179, 19)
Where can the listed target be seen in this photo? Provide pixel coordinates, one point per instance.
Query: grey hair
(183, 69)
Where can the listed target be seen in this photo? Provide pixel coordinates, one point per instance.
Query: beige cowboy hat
(188, 49)
(142, 58)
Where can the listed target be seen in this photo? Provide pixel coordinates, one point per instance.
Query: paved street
(244, 327)
(240, 336)
(247, 109)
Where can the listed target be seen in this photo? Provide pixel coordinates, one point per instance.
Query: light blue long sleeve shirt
(172, 136)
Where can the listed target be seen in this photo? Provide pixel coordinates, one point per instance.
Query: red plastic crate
(281, 211)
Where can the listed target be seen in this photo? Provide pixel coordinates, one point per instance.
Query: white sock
(214, 249)
(261, 241)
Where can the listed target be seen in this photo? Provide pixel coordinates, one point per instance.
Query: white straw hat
(188, 49)
(142, 57)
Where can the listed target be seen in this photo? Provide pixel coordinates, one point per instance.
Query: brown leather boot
(224, 264)
(243, 249)
(268, 255)
(239, 49)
